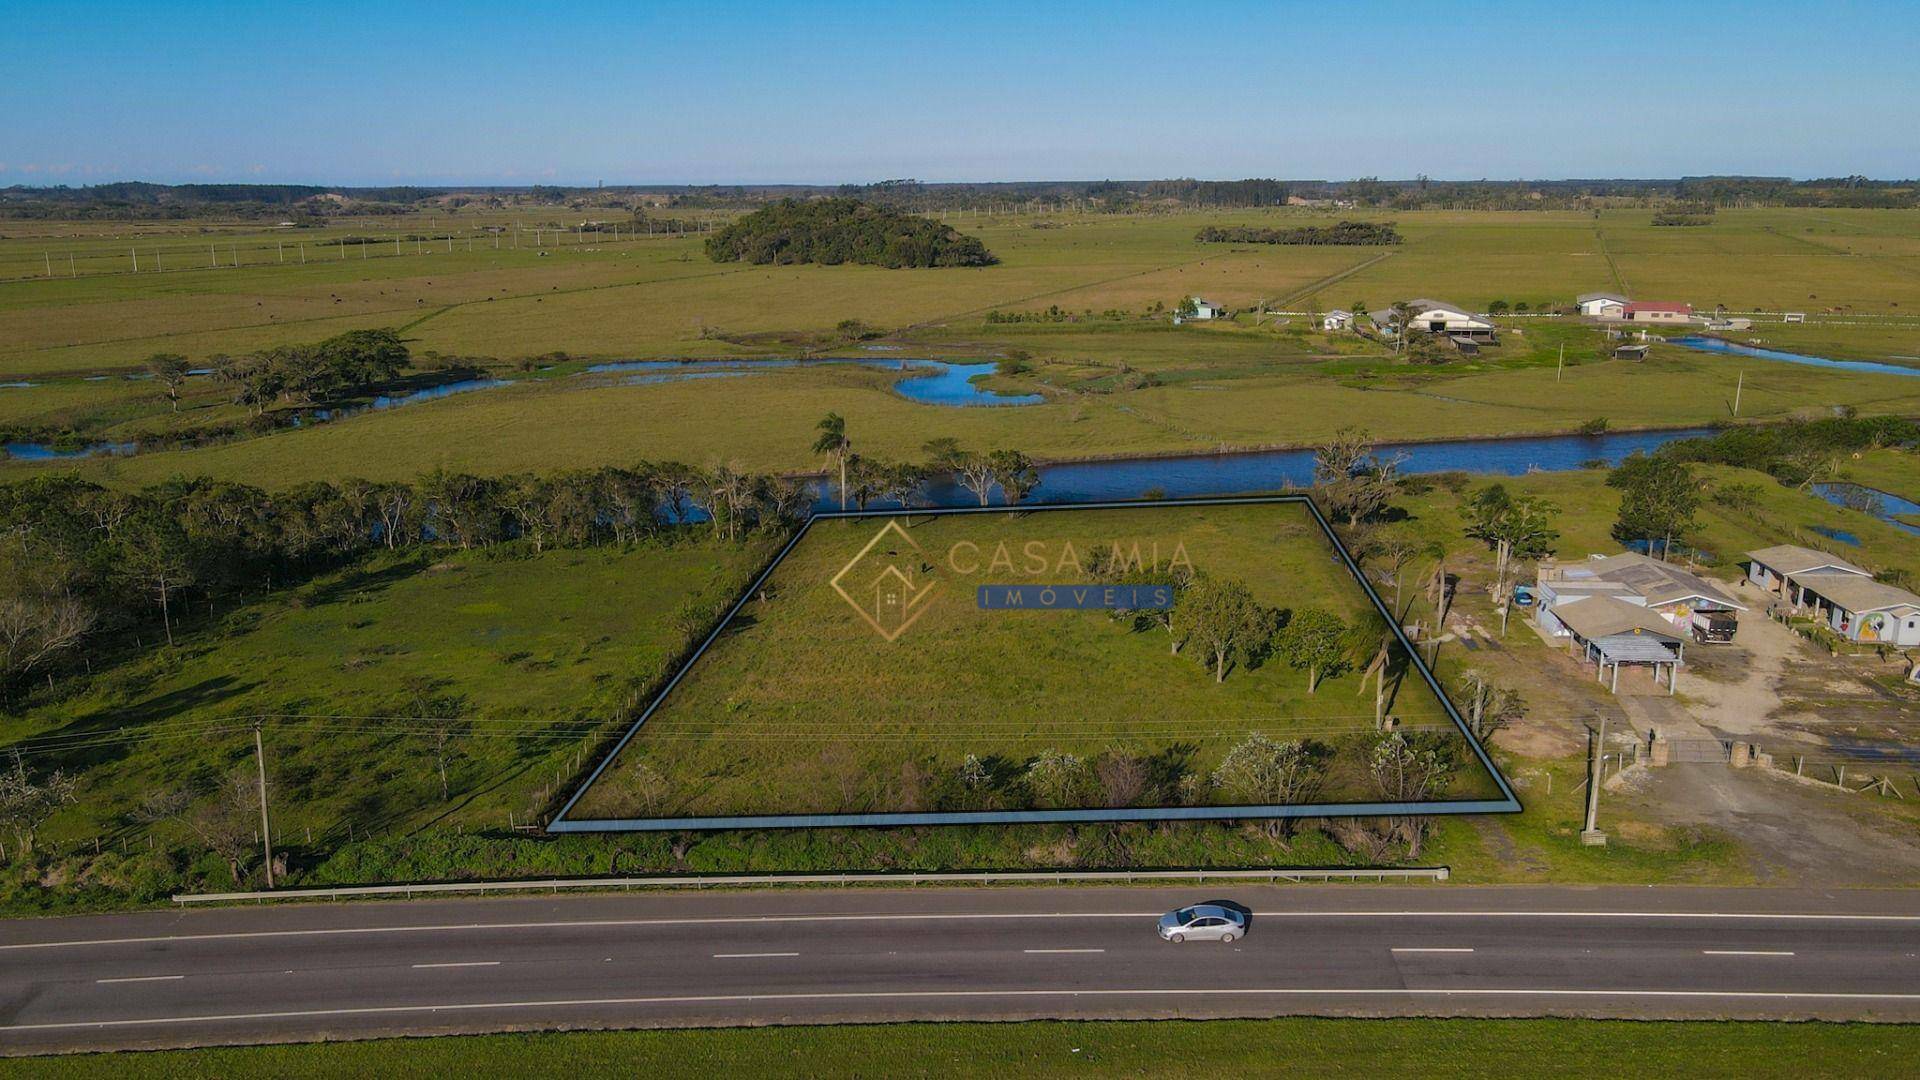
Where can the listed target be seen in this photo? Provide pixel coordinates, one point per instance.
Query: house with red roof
(1656, 311)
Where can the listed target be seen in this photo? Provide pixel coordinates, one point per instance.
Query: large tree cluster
(835, 231)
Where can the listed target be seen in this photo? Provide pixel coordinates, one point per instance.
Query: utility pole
(1562, 365)
(1737, 387)
(49, 256)
(1597, 740)
(266, 838)
(135, 252)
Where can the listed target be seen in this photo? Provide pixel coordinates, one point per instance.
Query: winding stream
(1718, 345)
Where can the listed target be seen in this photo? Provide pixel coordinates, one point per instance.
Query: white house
(1337, 319)
(1795, 573)
(1439, 317)
(1601, 305)
(1657, 311)
(1872, 612)
(1204, 309)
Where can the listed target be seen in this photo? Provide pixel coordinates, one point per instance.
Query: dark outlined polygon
(1507, 803)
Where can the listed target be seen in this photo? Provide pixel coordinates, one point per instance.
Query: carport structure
(1611, 632)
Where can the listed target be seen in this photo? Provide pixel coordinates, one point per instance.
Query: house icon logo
(888, 583)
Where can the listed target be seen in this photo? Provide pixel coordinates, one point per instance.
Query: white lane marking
(950, 916)
(1418, 950)
(897, 995)
(1063, 950)
(1743, 952)
(749, 955)
(461, 964)
(141, 978)
(741, 920)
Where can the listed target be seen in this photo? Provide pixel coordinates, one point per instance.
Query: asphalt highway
(307, 971)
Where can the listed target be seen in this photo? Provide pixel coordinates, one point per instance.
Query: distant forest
(311, 204)
(834, 231)
(1360, 233)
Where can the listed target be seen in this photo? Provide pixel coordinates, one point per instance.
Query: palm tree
(833, 441)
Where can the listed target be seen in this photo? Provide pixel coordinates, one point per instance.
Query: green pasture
(516, 664)
(1237, 398)
(1120, 380)
(803, 705)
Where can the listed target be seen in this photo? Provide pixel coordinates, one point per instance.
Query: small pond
(930, 382)
(1884, 505)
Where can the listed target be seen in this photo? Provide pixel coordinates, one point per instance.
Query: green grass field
(565, 644)
(1856, 272)
(1289, 1047)
(522, 662)
(803, 706)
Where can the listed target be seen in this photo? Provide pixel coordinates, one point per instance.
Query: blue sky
(724, 92)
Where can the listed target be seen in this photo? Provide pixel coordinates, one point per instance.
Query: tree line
(865, 478)
(834, 231)
(1799, 454)
(79, 560)
(1346, 233)
(1258, 770)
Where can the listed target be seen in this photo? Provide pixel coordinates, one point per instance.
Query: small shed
(1635, 352)
(1337, 319)
(1466, 345)
(1610, 632)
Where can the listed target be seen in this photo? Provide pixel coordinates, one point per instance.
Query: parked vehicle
(1523, 595)
(1203, 922)
(1714, 627)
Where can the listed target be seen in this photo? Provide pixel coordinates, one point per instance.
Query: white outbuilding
(1601, 305)
(1438, 317)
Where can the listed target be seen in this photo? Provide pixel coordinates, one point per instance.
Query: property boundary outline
(1507, 803)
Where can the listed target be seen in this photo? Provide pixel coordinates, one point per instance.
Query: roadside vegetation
(1284, 1047)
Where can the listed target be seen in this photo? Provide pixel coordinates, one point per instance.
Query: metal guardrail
(1273, 874)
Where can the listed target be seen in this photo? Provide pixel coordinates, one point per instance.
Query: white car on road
(1204, 922)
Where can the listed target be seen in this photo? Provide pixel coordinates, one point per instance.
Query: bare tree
(25, 804)
(1122, 776)
(975, 472)
(227, 821)
(1490, 707)
(648, 787)
(1353, 479)
(39, 619)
